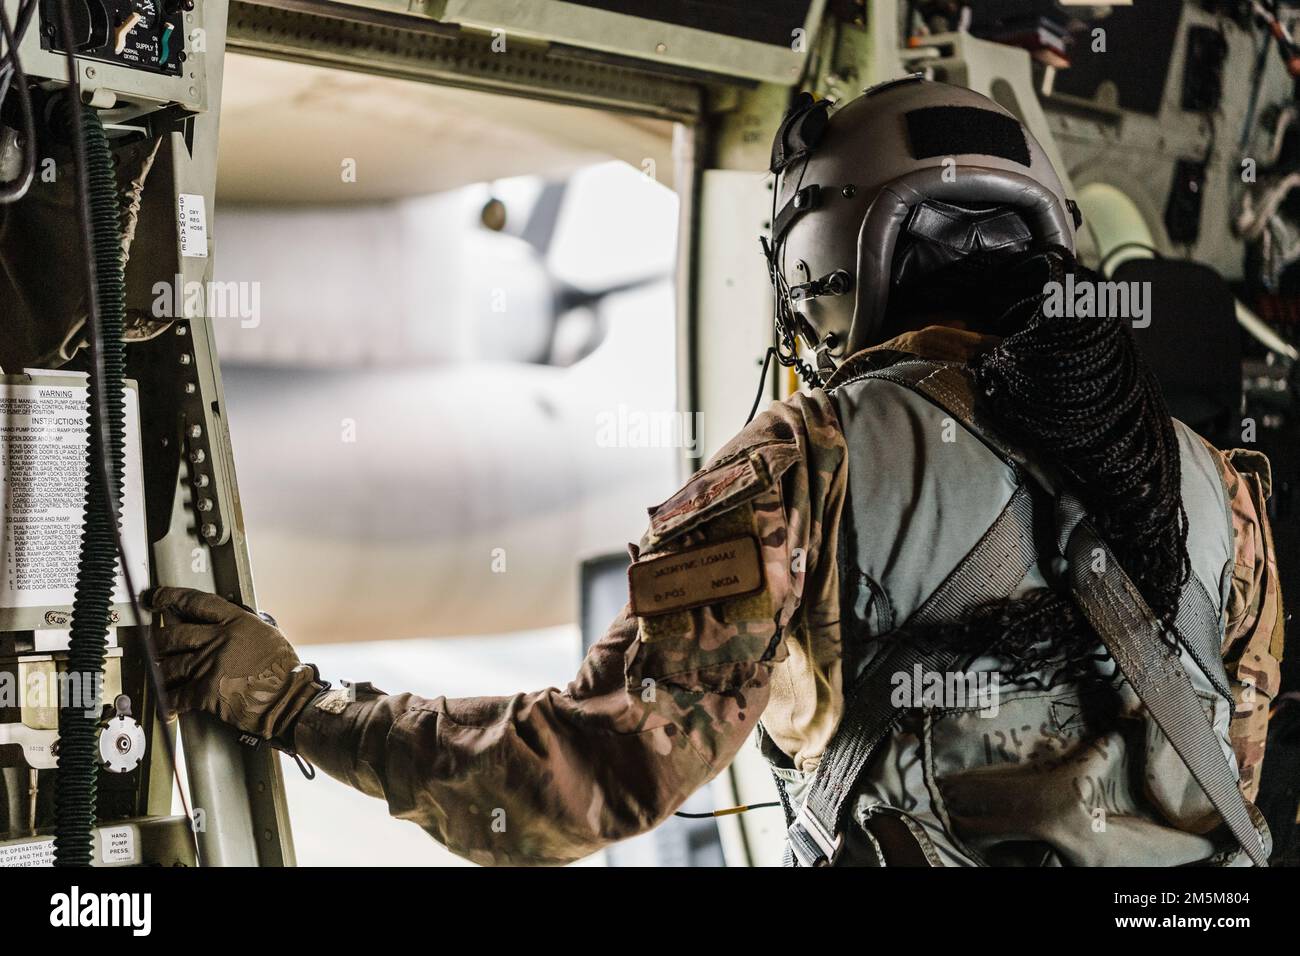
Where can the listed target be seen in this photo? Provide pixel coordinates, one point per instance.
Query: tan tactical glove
(219, 658)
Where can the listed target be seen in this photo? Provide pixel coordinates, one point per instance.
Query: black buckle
(811, 843)
(805, 200)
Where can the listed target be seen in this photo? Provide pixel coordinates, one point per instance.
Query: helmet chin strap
(800, 133)
(790, 325)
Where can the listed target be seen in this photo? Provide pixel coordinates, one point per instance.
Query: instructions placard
(116, 844)
(42, 493)
(29, 853)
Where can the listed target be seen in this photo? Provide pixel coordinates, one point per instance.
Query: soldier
(986, 602)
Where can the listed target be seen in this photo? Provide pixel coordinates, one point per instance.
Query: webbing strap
(990, 571)
(1198, 623)
(1198, 616)
(948, 386)
(1129, 629)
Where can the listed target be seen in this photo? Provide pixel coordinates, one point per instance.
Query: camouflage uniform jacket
(737, 585)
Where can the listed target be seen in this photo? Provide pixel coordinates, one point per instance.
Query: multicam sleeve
(661, 704)
(1253, 638)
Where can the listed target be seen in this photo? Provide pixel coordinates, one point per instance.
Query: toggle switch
(123, 30)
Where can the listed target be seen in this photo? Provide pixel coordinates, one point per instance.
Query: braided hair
(1078, 394)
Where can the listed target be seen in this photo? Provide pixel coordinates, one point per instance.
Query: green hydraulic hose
(76, 781)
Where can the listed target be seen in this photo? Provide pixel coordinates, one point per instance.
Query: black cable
(1257, 81)
(762, 380)
(96, 340)
(1133, 244)
(76, 782)
(101, 460)
(25, 11)
(787, 346)
(727, 812)
(14, 190)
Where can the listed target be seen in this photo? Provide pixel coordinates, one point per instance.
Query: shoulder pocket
(702, 585)
(1250, 462)
(718, 488)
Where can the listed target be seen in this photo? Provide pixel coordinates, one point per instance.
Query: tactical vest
(965, 767)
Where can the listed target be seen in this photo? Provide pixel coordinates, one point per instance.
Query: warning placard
(30, 853)
(117, 844)
(43, 443)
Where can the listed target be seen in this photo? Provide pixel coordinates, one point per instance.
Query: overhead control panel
(142, 34)
(133, 56)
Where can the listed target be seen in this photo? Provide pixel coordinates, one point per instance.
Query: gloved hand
(219, 658)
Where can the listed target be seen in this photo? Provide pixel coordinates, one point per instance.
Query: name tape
(696, 577)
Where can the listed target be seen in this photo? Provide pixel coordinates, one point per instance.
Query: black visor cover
(800, 132)
(955, 130)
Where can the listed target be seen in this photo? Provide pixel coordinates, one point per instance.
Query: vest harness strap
(1131, 632)
(997, 563)
(1109, 600)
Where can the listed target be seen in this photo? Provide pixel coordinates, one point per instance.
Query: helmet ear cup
(938, 234)
(1048, 219)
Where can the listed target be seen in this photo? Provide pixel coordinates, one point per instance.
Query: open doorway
(450, 380)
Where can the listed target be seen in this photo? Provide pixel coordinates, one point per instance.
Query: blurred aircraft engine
(410, 462)
(420, 501)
